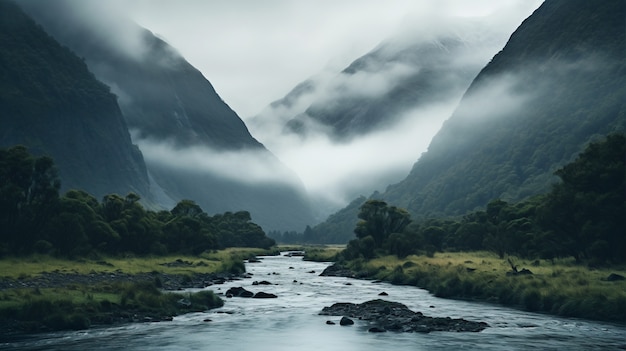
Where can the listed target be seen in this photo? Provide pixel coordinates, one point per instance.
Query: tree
(585, 212)
(379, 220)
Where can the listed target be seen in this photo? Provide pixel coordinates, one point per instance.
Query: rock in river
(239, 292)
(264, 295)
(394, 316)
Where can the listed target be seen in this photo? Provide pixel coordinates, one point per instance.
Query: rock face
(393, 316)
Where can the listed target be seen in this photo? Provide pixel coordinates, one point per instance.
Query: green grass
(79, 306)
(208, 262)
(558, 287)
(322, 253)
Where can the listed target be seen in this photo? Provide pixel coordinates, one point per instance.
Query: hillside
(54, 105)
(195, 146)
(558, 84)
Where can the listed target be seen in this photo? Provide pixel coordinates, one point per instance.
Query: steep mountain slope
(51, 103)
(559, 83)
(195, 145)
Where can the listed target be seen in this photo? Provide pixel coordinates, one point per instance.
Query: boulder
(264, 295)
(238, 292)
(346, 321)
(613, 277)
(262, 282)
(336, 270)
(393, 316)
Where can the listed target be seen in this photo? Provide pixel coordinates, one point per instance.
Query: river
(291, 321)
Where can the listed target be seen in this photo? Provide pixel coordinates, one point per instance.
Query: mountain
(376, 91)
(558, 84)
(195, 146)
(51, 103)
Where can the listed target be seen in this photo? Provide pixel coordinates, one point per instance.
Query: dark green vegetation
(35, 218)
(582, 219)
(81, 306)
(51, 102)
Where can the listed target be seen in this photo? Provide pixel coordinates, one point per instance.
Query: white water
(290, 322)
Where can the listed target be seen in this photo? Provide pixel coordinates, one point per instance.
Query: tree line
(34, 217)
(581, 217)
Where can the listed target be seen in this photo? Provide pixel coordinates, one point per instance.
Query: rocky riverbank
(393, 316)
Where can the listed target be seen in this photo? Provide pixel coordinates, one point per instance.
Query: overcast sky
(255, 51)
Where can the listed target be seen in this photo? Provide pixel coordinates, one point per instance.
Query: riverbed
(291, 321)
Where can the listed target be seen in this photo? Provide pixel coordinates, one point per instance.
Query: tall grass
(79, 307)
(558, 287)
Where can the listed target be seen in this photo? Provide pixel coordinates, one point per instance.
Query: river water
(291, 321)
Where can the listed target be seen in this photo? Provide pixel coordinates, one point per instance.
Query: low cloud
(335, 173)
(253, 167)
(70, 20)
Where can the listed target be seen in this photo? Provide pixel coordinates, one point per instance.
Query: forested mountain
(194, 144)
(52, 103)
(558, 84)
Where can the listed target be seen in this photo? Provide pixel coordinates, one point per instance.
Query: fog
(255, 52)
(337, 171)
(252, 167)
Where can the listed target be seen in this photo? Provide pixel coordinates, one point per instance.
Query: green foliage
(81, 306)
(585, 212)
(34, 218)
(582, 217)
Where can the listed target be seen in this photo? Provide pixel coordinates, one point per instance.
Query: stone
(346, 321)
(613, 277)
(394, 316)
(262, 282)
(264, 295)
(238, 292)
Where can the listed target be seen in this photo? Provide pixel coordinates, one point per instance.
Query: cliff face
(51, 103)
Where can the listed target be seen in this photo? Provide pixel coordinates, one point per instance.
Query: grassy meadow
(78, 306)
(559, 287)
